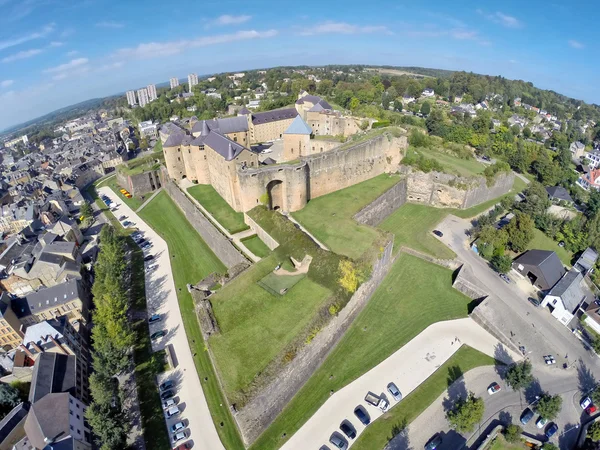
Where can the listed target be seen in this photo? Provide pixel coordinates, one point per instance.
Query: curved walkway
(162, 299)
(407, 368)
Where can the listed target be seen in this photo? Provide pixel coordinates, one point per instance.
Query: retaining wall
(217, 242)
(463, 284)
(260, 412)
(384, 205)
(262, 234)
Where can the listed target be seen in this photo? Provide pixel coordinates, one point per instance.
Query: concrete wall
(218, 243)
(463, 283)
(140, 184)
(388, 202)
(262, 234)
(260, 412)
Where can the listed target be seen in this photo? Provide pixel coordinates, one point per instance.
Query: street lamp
(537, 398)
(574, 427)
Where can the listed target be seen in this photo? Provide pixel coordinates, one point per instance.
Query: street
(162, 299)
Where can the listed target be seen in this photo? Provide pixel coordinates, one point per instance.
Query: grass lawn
(142, 164)
(256, 246)
(414, 295)
(378, 433)
(500, 444)
(329, 218)
(454, 164)
(542, 242)
(206, 195)
(192, 260)
(257, 325)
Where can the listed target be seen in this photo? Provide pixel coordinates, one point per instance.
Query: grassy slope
(379, 432)
(414, 295)
(459, 166)
(192, 260)
(329, 218)
(256, 246)
(219, 208)
(542, 242)
(256, 325)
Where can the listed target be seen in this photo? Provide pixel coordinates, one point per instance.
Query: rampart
(261, 233)
(217, 242)
(260, 412)
(141, 183)
(388, 202)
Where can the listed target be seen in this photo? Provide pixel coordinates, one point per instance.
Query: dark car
(362, 415)
(394, 391)
(438, 233)
(167, 394)
(434, 442)
(166, 385)
(526, 416)
(158, 335)
(148, 258)
(505, 278)
(184, 446)
(551, 430)
(348, 429)
(140, 242)
(534, 301)
(154, 318)
(338, 441)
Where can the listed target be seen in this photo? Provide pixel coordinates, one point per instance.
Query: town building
(559, 194)
(192, 81)
(577, 150)
(590, 180)
(131, 98)
(143, 97)
(174, 82)
(542, 268)
(568, 296)
(151, 89)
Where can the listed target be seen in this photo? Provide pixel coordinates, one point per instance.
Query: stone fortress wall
(141, 183)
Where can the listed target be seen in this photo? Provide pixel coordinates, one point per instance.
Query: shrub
(381, 124)
(512, 433)
(418, 139)
(422, 163)
(334, 309)
(493, 170)
(501, 263)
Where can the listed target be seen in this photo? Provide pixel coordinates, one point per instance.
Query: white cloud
(66, 32)
(502, 19)
(6, 83)
(110, 24)
(227, 19)
(22, 55)
(45, 31)
(160, 49)
(113, 66)
(331, 27)
(68, 66)
(576, 44)
(72, 53)
(55, 44)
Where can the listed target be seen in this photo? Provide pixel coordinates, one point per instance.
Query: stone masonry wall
(257, 415)
(141, 183)
(388, 202)
(218, 243)
(262, 234)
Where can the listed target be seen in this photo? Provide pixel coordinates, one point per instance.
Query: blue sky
(54, 53)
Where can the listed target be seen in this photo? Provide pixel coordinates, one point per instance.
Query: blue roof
(298, 126)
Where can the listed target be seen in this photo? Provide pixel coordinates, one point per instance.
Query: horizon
(54, 55)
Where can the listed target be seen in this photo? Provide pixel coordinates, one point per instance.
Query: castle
(230, 154)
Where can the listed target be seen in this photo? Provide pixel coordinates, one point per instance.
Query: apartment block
(151, 92)
(131, 98)
(143, 97)
(192, 80)
(174, 82)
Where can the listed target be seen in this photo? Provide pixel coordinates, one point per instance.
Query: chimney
(58, 345)
(27, 351)
(37, 347)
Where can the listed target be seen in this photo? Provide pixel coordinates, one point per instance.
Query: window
(78, 416)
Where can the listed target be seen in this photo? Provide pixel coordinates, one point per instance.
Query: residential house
(590, 180)
(567, 297)
(542, 268)
(12, 427)
(593, 158)
(577, 150)
(559, 193)
(586, 262)
(11, 334)
(427, 93)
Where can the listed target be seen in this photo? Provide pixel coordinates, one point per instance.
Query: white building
(427, 93)
(151, 92)
(131, 98)
(593, 159)
(192, 80)
(143, 97)
(567, 297)
(148, 128)
(174, 82)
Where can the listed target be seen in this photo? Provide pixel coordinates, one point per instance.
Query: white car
(495, 387)
(585, 402)
(541, 422)
(179, 436)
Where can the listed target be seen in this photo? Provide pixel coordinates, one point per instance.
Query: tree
(86, 210)
(501, 263)
(594, 432)
(512, 433)
(520, 232)
(548, 406)
(425, 108)
(9, 398)
(354, 103)
(144, 143)
(351, 276)
(466, 413)
(549, 446)
(536, 200)
(519, 375)
(109, 425)
(596, 395)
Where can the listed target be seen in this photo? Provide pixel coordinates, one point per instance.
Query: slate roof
(559, 192)
(244, 110)
(174, 139)
(273, 116)
(546, 261)
(298, 126)
(587, 260)
(224, 126)
(46, 298)
(223, 146)
(12, 419)
(52, 373)
(569, 290)
(49, 418)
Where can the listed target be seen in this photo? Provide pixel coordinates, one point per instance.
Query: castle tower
(296, 140)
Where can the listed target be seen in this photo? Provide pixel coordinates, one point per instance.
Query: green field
(277, 283)
(256, 246)
(542, 242)
(453, 164)
(414, 295)
(329, 218)
(206, 195)
(256, 325)
(140, 165)
(191, 261)
(378, 433)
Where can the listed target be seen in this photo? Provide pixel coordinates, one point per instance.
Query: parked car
(434, 442)
(154, 318)
(184, 446)
(394, 391)
(551, 430)
(592, 409)
(438, 233)
(338, 441)
(585, 402)
(494, 387)
(172, 411)
(166, 385)
(505, 278)
(157, 335)
(526, 416)
(178, 426)
(362, 415)
(348, 429)
(168, 403)
(152, 267)
(541, 422)
(179, 436)
(549, 360)
(148, 258)
(376, 401)
(122, 218)
(146, 245)
(534, 301)
(140, 242)
(127, 223)
(165, 395)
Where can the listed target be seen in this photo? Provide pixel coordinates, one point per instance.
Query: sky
(54, 53)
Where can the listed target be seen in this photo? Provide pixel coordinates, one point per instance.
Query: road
(407, 368)
(161, 299)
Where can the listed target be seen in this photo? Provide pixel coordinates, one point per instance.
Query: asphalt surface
(161, 299)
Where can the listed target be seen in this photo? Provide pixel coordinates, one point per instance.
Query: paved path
(148, 200)
(407, 368)
(161, 298)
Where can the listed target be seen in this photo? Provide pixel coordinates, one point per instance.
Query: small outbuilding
(543, 268)
(559, 193)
